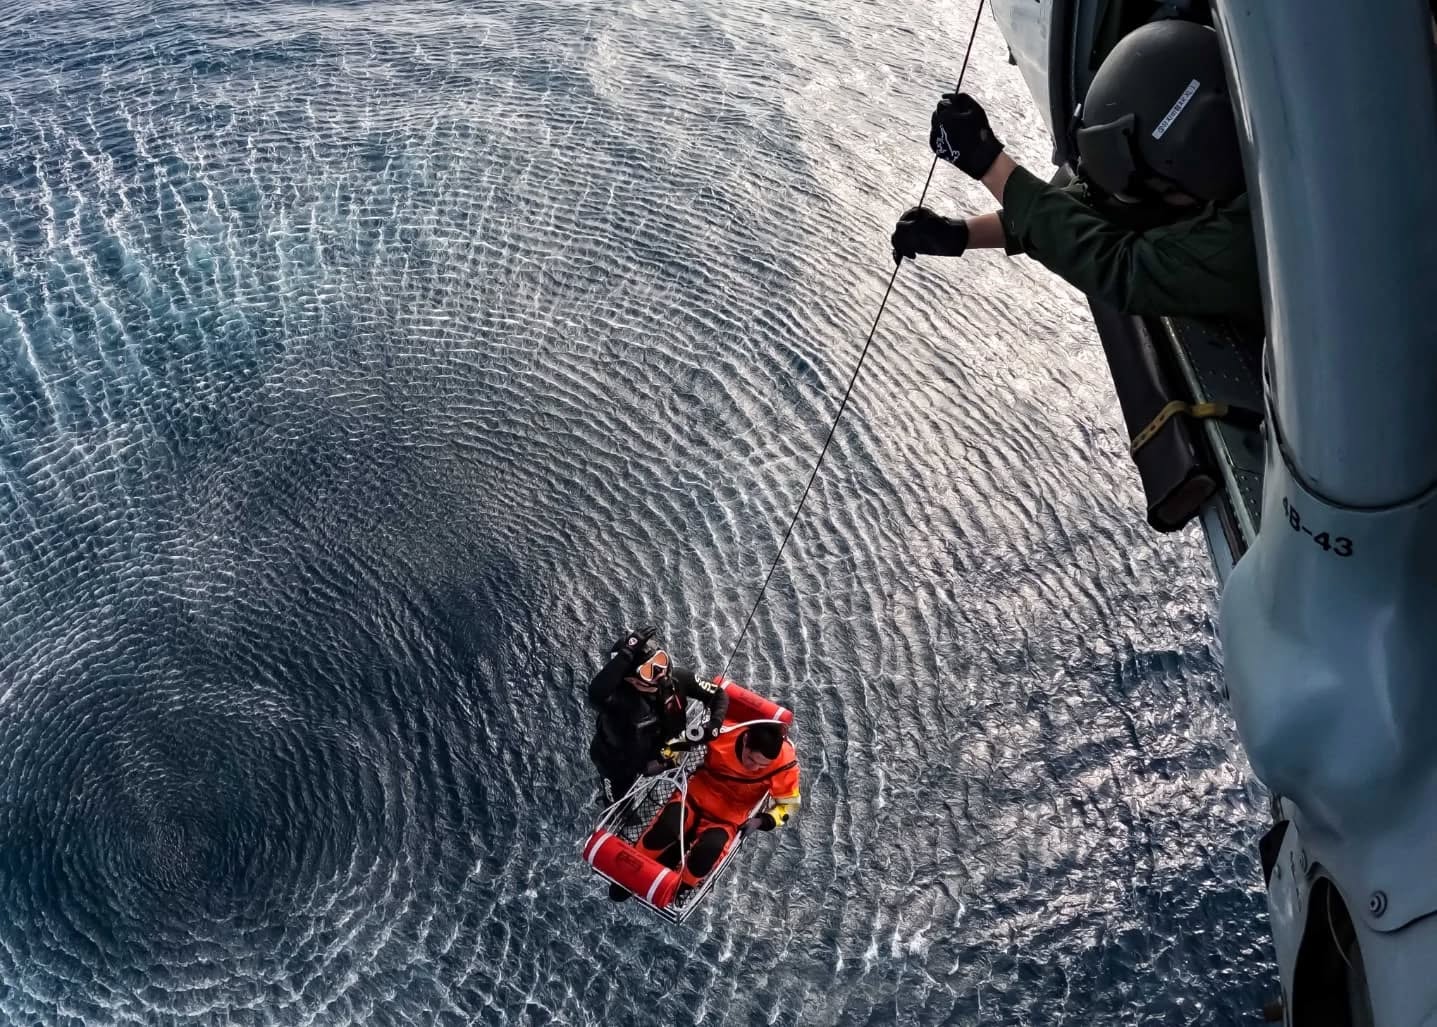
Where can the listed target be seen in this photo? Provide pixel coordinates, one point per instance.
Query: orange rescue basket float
(612, 849)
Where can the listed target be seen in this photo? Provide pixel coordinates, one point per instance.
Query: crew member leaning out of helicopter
(1157, 221)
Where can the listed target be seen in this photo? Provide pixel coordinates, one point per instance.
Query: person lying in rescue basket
(1157, 221)
(642, 700)
(740, 767)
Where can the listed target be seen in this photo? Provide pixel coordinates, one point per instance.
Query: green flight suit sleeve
(1203, 266)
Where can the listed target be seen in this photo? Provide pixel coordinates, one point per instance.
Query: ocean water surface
(366, 367)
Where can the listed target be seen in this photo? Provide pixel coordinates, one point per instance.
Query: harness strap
(1240, 416)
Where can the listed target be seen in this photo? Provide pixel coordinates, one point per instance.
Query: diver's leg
(614, 767)
(604, 763)
(621, 781)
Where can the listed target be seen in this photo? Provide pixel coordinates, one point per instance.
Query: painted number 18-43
(1341, 545)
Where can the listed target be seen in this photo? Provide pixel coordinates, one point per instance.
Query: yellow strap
(1167, 413)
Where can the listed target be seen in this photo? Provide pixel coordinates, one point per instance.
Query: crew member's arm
(985, 231)
(996, 177)
(1203, 266)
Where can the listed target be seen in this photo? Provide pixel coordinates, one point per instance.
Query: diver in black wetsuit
(642, 702)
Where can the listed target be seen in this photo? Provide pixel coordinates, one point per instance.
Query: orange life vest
(724, 789)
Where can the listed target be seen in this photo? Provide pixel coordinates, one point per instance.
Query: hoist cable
(853, 380)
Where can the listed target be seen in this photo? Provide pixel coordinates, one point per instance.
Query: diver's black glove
(961, 135)
(921, 230)
(634, 641)
(712, 730)
(656, 767)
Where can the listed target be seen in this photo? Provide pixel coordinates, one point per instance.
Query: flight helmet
(1158, 117)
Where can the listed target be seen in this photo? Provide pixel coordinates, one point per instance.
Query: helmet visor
(1107, 153)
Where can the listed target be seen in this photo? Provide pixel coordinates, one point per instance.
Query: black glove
(762, 822)
(656, 767)
(921, 230)
(634, 641)
(712, 731)
(961, 135)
